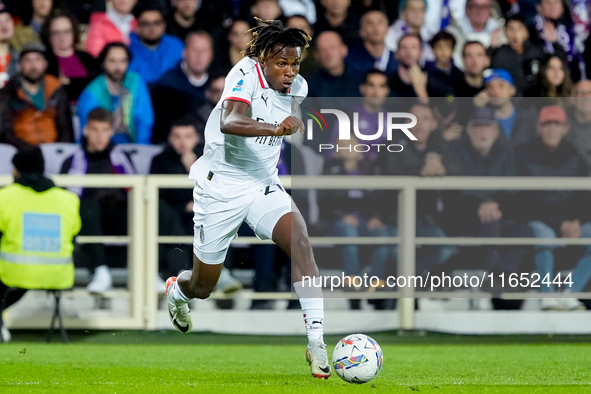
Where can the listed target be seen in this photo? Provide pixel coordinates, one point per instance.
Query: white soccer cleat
(101, 281)
(180, 315)
(318, 359)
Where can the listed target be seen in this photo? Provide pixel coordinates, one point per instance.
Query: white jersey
(233, 165)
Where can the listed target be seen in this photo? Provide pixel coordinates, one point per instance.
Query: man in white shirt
(236, 179)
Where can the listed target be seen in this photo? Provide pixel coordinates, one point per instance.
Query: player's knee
(300, 242)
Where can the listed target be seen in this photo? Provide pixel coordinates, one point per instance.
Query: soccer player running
(236, 179)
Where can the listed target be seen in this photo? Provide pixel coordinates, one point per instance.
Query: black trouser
(175, 222)
(11, 296)
(101, 214)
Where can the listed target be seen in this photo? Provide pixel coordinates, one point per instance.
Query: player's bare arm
(235, 121)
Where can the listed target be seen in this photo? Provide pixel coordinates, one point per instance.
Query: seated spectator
(374, 90)
(519, 56)
(340, 17)
(420, 158)
(302, 8)
(267, 10)
(176, 205)
(182, 89)
(579, 120)
(475, 61)
(478, 24)
(186, 16)
(38, 221)
(213, 94)
(239, 36)
(333, 79)
(308, 64)
(121, 92)
(410, 80)
(372, 52)
(554, 214)
(515, 122)
(115, 25)
(552, 30)
(34, 107)
(411, 21)
(153, 52)
(354, 213)
(74, 68)
(554, 84)
(8, 55)
(483, 213)
(443, 77)
(103, 211)
(29, 28)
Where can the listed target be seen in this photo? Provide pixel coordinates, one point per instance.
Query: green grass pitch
(125, 362)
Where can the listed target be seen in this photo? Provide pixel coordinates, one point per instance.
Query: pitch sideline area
(153, 362)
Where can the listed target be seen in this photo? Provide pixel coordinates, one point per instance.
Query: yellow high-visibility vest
(37, 237)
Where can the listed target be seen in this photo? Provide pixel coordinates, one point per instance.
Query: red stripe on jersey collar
(261, 77)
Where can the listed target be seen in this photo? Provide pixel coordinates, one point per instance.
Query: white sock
(312, 304)
(176, 295)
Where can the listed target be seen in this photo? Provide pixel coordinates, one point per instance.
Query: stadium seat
(6, 153)
(55, 154)
(140, 155)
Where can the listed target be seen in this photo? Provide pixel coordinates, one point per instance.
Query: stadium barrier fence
(143, 238)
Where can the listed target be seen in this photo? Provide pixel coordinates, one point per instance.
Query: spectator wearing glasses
(153, 51)
(75, 69)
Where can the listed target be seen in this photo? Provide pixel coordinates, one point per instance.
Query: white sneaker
(180, 315)
(572, 304)
(4, 334)
(318, 359)
(551, 304)
(160, 285)
(227, 284)
(101, 281)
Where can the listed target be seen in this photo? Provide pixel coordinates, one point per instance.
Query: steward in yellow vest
(38, 222)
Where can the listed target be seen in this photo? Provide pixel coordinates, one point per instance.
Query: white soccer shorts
(216, 222)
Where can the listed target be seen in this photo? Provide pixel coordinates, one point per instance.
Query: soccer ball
(357, 358)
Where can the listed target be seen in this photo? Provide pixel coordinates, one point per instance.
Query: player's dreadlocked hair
(271, 33)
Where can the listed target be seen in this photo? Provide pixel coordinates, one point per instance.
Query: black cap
(5, 8)
(29, 161)
(145, 6)
(483, 116)
(32, 47)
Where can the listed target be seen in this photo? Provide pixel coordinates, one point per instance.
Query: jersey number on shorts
(269, 191)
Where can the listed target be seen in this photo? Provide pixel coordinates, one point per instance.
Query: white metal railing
(143, 235)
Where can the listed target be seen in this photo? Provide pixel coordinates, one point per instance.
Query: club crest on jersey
(239, 86)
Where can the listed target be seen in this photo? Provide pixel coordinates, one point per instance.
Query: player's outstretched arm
(235, 121)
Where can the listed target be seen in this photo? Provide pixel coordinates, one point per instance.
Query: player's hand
(189, 207)
(289, 126)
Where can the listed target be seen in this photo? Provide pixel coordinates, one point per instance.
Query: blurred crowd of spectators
(501, 89)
